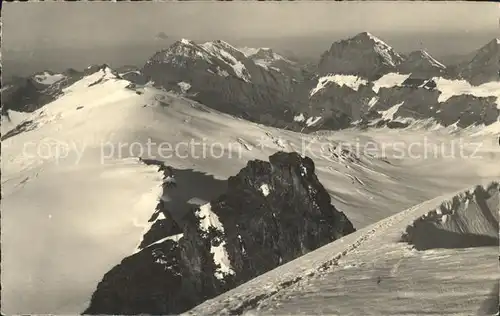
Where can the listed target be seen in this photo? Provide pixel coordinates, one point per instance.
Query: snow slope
(86, 198)
(371, 272)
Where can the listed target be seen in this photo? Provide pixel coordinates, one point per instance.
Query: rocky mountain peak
(272, 213)
(182, 48)
(364, 54)
(367, 37)
(484, 66)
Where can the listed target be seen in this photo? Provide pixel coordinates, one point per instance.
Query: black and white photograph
(250, 158)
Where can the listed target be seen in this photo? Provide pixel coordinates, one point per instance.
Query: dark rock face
(272, 212)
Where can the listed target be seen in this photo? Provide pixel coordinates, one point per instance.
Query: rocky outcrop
(272, 212)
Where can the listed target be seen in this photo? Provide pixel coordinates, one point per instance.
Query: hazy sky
(102, 27)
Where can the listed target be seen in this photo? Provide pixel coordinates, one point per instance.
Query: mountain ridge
(267, 88)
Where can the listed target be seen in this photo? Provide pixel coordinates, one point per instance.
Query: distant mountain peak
(364, 54)
(485, 65)
(186, 41)
(368, 36)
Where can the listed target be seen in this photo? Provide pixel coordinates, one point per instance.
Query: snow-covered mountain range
(344, 91)
(191, 181)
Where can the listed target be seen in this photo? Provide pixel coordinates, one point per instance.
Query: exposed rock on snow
(244, 233)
